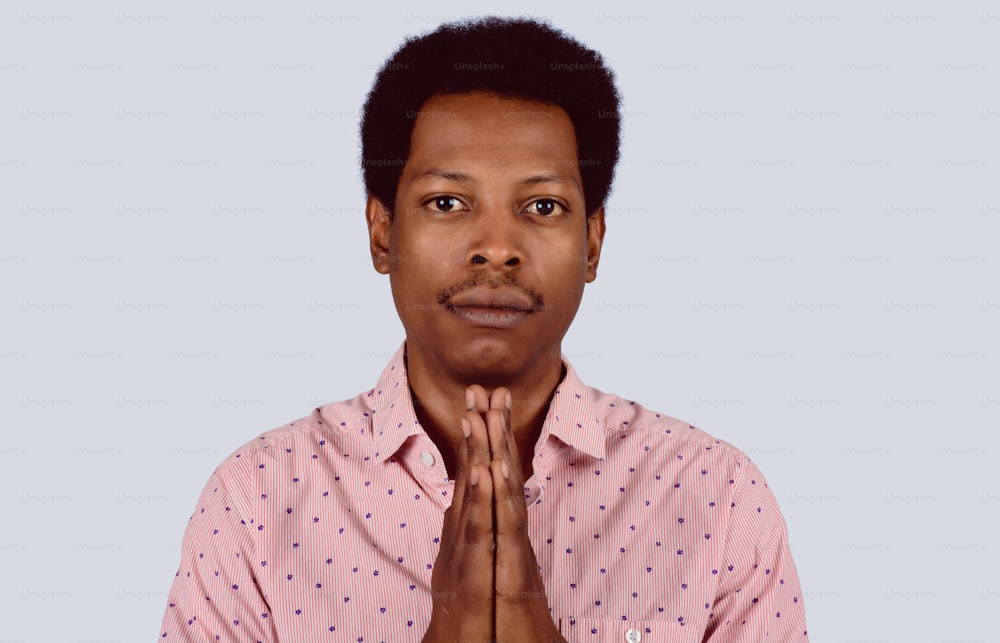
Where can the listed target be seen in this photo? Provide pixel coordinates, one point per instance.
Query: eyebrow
(448, 175)
(534, 179)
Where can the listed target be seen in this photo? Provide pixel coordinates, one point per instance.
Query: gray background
(801, 259)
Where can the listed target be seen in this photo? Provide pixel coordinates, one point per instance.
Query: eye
(545, 207)
(443, 204)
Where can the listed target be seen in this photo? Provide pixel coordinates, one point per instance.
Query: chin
(482, 359)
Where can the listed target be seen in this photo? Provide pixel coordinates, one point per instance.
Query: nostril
(479, 259)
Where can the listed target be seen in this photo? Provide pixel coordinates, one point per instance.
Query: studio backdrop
(801, 259)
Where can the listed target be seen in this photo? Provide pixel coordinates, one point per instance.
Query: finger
(463, 571)
(504, 440)
(479, 397)
(499, 402)
(503, 400)
(498, 399)
(515, 455)
(476, 527)
(475, 516)
(498, 405)
(501, 450)
(497, 434)
(514, 558)
(465, 564)
(461, 473)
(510, 508)
(508, 485)
(478, 443)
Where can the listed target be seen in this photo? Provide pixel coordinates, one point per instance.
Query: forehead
(503, 128)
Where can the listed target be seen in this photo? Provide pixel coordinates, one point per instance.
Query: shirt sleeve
(759, 596)
(215, 595)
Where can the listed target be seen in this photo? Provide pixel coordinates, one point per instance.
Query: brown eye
(544, 207)
(445, 203)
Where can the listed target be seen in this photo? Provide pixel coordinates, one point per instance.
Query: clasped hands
(485, 584)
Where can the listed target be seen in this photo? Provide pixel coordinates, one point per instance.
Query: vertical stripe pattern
(327, 529)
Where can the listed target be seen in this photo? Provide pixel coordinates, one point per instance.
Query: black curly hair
(510, 57)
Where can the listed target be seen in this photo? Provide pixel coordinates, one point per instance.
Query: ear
(595, 240)
(379, 232)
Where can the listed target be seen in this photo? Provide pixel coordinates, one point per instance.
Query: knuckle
(520, 597)
(517, 527)
(472, 529)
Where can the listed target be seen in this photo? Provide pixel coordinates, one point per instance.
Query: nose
(494, 239)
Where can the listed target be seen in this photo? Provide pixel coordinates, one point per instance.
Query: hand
(462, 584)
(522, 608)
(486, 565)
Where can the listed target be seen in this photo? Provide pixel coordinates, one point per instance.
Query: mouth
(493, 307)
(504, 316)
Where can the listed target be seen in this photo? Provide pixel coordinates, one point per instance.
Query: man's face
(489, 246)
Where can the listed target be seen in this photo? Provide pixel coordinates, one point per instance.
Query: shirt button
(633, 636)
(426, 458)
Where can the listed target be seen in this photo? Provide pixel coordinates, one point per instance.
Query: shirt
(645, 528)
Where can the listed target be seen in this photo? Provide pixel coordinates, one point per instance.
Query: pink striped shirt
(327, 529)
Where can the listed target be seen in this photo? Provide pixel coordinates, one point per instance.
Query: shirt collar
(393, 417)
(572, 416)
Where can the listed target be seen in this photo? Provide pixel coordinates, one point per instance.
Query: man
(480, 491)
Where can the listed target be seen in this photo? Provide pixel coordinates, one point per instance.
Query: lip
(490, 317)
(493, 308)
(500, 298)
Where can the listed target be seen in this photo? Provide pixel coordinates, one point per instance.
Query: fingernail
(470, 400)
(474, 476)
(466, 427)
(504, 469)
(508, 402)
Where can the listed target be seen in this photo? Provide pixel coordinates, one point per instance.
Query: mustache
(537, 300)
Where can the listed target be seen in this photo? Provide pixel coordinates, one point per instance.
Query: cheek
(419, 253)
(565, 257)
(428, 245)
(421, 267)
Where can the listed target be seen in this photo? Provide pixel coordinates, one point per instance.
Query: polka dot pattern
(328, 528)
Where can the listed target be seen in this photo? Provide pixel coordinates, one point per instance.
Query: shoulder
(324, 429)
(632, 426)
(690, 459)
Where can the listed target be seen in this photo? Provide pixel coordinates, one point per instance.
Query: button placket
(427, 468)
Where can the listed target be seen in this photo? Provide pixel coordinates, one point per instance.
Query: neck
(439, 401)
